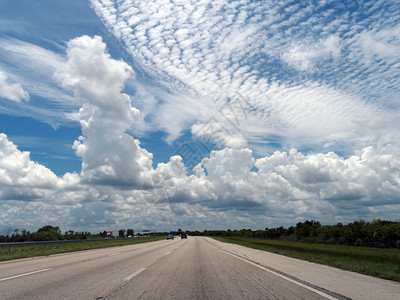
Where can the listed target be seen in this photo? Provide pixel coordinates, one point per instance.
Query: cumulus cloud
(285, 181)
(32, 196)
(109, 155)
(25, 180)
(229, 184)
(329, 177)
(324, 186)
(11, 91)
(18, 169)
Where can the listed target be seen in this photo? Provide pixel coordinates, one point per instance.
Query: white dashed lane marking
(25, 274)
(134, 274)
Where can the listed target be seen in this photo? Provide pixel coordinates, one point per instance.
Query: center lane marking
(25, 274)
(134, 274)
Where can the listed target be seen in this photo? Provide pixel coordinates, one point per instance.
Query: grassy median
(15, 252)
(382, 263)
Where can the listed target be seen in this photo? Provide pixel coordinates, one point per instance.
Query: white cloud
(307, 56)
(297, 75)
(218, 132)
(329, 177)
(109, 155)
(206, 52)
(17, 169)
(322, 185)
(228, 185)
(383, 43)
(25, 180)
(33, 67)
(11, 91)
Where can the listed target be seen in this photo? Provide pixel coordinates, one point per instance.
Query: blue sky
(198, 114)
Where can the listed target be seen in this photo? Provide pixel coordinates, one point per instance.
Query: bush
(46, 236)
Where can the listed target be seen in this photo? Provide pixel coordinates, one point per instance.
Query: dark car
(170, 237)
(183, 236)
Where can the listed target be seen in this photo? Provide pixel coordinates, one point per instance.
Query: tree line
(378, 233)
(53, 233)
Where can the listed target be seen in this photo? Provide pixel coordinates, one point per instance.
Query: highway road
(196, 268)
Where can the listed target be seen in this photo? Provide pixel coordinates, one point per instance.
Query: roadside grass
(16, 252)
(382, 263)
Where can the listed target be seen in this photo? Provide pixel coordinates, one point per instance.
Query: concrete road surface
(196, 268)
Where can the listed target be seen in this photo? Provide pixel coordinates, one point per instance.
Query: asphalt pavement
(193, 268)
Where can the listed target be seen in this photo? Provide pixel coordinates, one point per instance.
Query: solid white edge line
(25, 274)
(284, 277)
(134, 274)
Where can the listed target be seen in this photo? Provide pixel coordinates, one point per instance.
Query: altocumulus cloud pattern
(298, 103)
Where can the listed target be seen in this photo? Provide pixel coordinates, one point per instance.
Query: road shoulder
(346, 283)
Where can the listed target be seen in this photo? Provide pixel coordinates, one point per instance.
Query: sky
(198, 115)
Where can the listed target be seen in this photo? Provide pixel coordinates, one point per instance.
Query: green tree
(45, 236)
(49, 228)
(47, 233)
(121, 233)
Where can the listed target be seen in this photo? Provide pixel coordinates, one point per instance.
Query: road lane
(199, 268)
(79, 275)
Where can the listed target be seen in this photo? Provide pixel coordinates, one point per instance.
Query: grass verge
(382, 263)
(15, 252)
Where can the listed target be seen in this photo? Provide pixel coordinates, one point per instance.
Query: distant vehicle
(170, 237)
(183, 235)
(110, 235)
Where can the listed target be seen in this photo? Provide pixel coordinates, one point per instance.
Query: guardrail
(47, 242)
(17, 244)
